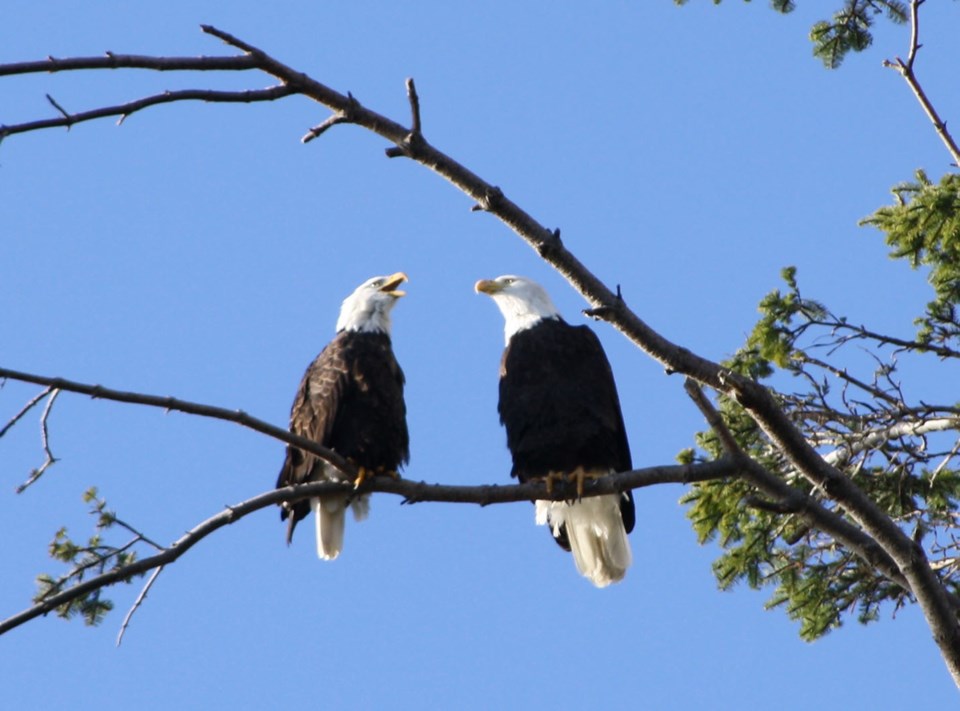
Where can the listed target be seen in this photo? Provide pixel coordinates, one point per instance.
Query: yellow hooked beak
(391, 284)
(487, 286)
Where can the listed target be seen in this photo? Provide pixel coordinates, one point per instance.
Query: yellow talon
(362, 475)
(550, 479)
(579, 475)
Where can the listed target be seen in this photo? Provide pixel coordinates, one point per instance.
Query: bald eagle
(350, 400)
(559, 405)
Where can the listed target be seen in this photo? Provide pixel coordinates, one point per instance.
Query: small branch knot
(550, 244)
(492, 197)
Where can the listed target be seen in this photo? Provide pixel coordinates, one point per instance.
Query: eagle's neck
(365, 317)
(519, 314)
(514, 326)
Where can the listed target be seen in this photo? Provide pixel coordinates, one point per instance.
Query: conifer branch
(788, 499)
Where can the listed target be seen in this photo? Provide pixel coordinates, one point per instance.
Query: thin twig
(914, 32)
(414, 108)
(45, 439)
(141, 536)
(414, 138)
(905, 68)
(319, 129)
(137, 603)
(713, 418)
(946, 461)
(58, 107)
(24, 410)
(124, 110)
(843, 375)
(345, 115)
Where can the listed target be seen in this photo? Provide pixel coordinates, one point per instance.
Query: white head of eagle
(523, 302)
(559, 405)
(367, 309)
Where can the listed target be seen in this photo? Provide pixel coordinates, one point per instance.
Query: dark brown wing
(351, 401)
(313, 415)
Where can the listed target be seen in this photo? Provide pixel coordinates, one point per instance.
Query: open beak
(487, 286)
(391, 284)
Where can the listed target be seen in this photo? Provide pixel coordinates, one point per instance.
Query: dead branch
(109, 60)
(410, 491)
(905, 69)
(36, 399)
(191, 408)
(137, 603)
(67, 120)
(45, 439)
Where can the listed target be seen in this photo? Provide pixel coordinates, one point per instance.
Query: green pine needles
(849, 30)
(923, 227)
(86, 560)
(901, 453)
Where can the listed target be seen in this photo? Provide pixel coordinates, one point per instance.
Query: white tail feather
(330, 514)
(597, 538)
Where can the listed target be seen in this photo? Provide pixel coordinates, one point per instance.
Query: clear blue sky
(201, 251)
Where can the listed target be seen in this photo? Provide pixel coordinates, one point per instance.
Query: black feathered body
(350, 400)
(560, 408)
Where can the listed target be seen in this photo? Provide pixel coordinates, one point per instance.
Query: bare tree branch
(24, 410)
(109, 60)
(905, 68)
(191, 408)
(137, 603)
(124, 110)
(45, 439)
(874, 438)
(344, 116)
(412, 492)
